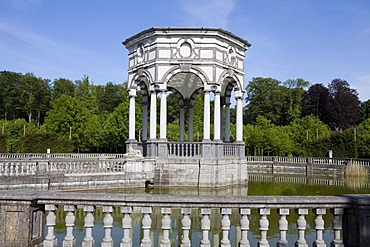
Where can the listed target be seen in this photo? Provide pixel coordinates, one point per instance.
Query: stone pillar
(131, 124)
(264, 227)
(217, 118)
(153, 116)
(146, 223)
(227, 120)
(50, 239)
(88, 240)
(17, 214)
(205, 227)
(185, 223)
(191, 123)
(69, 239)
(225, 225)
(206, 118)
(182, 122)
(283, 227)
(108, 225)
(126, 225)
(145, 119)
(244, 227)
(239, 119)
(166, 227)
(356, 224)
(301, 225)
(163, 116)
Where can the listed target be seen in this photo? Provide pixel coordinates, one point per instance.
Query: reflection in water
(253, 188)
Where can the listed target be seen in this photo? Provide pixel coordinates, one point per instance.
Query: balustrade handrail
(175, 201)
(303, 160)
(341, 207)
(36, 156)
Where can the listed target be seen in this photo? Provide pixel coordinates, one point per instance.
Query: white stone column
(239, 119)
(131, 124)
(227, 120)
(163, 116)
(51, 219)
(145, 119)
(191, 123)
(217, 118)
(206, 118)
(88, 240)
(153, 115)
(182, 122)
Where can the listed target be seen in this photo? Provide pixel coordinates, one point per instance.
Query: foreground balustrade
(178, 220)
(219, 220)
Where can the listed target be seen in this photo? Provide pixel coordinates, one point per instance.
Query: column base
(69, 243)
(88, 244)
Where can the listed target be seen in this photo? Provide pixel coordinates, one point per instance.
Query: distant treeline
(293, 118)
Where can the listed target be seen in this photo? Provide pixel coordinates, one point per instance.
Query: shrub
(40, 142)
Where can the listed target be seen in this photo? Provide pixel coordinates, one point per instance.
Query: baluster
(11, 167)
(225, 226)
(337, 227)
(146, 223)
(166, 226)
(88, 241)
(283, 227)
(6, 169)
(108, 224)
(264, 226)
(205, 226)
(186, 223)
(69, 239)
(51, 219)
(244, 226)
(319, 226)
(126, 225)
(1, 168)
(17, 168)
(301, 225)
(27, 168)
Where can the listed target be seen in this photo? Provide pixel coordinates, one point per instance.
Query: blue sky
(313, 39)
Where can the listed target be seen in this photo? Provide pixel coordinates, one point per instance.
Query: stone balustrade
(38, 156)
(348, 212)
(184, 149)
(305, 160)
(59, 166)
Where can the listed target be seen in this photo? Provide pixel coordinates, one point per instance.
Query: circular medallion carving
(185, 50)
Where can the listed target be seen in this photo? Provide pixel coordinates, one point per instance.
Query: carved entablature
(211, 54)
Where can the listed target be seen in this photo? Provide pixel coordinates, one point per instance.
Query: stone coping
(145, 200)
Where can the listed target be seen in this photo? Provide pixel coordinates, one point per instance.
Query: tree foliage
(282, 118)
(344, 105)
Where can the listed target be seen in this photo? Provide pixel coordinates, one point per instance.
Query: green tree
(9, 93)
(266, 97)
(115, 128)
(362, 136)
(316, 103)
(63, 86)
(110, 96)
(344, 106)
(69, 117)
(85, 92)
(365, 110)
(305, 131)
(34, 95)
(264, 138)
(295, 94)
